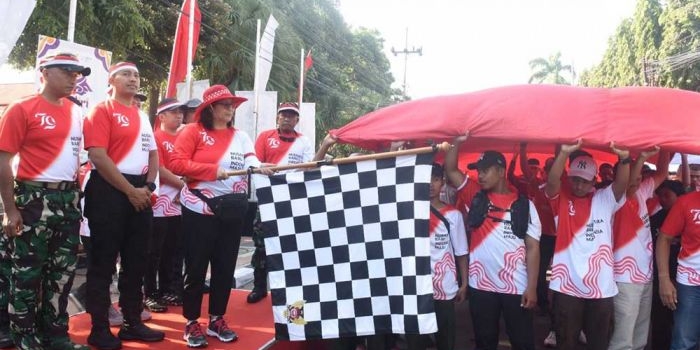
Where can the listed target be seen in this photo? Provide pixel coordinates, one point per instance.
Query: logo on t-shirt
(206, 139)
(122, 120)
(572, 210)
(696, 216)
(273, 142)
(168, 146)
(47, 121)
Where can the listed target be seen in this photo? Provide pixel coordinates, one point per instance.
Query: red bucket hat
(216, 93)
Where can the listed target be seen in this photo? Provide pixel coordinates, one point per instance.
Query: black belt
(61, 185)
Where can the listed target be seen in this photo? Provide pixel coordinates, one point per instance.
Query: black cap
(141, 96)
(488, 159)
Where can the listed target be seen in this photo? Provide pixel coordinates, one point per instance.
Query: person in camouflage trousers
(41, 221)
(5, 273)
(43, 260)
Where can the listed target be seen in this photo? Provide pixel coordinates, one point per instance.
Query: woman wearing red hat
(204, 152)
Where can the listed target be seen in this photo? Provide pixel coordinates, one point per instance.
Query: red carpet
(252, 322)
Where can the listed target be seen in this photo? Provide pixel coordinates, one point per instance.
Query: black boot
(5, 338)
(259, 286)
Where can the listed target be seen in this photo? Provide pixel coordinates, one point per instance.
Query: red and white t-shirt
(582, 265)
(445, 245)
(684, 220)
(165, 203)
(199, 153)
(632, 243)
(45, 137)
(497, 257)
(270, 148)
(124, 132)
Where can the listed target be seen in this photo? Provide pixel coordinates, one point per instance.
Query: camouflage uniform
(43, 260)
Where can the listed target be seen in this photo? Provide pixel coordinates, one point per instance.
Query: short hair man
(280, 146)
(582, 266)
(503, 251)
(42, 218)
(120, 144)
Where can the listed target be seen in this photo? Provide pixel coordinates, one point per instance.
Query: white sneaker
(582, 338)
(551, 340)
(115, 317)
(145, 315)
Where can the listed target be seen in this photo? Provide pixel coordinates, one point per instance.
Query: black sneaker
(172, 299)
(256, 295)
(194, 336)
(140, 332)
(155, 305)
(219, 329)
(103, 339)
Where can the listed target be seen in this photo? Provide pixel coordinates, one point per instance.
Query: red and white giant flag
(186, 35)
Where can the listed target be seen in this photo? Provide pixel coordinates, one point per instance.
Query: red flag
(178, 62)
(308, 62)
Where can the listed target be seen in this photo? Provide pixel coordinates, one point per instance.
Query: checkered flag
(348, 251)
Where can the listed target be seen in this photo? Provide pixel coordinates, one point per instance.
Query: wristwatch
(151, 186)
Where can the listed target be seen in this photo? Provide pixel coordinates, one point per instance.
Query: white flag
(13, 24)
(267, 44)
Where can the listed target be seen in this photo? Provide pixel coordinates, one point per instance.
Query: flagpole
(310, 165)
(301, 77)
(256, 81)
(71, 20)
(190, 43)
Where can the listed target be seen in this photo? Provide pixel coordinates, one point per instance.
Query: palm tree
(549, 70)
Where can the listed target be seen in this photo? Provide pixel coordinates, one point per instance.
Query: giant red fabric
(178, 62)
(542, 115)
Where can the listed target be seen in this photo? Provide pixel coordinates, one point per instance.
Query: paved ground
(244, 281)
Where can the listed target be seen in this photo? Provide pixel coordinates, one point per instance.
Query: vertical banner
(267, 45)
(89, 90)
(17, 13)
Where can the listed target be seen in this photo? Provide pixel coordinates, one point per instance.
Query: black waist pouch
(228, 208)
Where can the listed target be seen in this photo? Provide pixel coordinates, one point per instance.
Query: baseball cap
(487, 160)
(583, 167)
(288, 106)
(66, 61)
(193, 103)
(168, 104)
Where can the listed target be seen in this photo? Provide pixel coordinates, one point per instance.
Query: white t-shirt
(582, 265)
(497, 257)
(444, 247)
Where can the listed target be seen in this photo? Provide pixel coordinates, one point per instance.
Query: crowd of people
(161, 198)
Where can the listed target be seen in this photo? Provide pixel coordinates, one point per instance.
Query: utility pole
(407, 52)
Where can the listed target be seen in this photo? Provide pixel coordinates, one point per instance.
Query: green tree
(549, 70)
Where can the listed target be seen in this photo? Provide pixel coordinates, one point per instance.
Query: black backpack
(519, 213)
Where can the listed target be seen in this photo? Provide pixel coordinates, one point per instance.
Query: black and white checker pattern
(349, 244)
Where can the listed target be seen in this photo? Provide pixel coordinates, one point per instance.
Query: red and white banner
(186, 35)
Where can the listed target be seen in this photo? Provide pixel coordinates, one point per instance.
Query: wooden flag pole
(310, 165)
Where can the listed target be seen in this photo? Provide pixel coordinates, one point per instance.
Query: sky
(471, 45)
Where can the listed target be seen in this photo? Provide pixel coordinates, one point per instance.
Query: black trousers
(116, 229)
(164, 257)
(594, 316)
(208, 240)
(546, 253)
(486, 308)
(446, 322)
